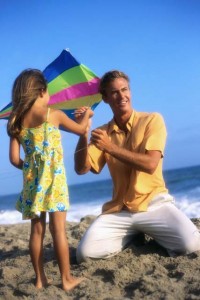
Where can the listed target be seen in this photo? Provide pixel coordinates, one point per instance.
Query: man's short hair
(108, 77)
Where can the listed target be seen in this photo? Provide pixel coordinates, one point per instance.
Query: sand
(142, 271)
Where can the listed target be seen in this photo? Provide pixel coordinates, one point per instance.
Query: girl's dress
(44, 181)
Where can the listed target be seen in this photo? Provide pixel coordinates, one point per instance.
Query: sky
(156, 42)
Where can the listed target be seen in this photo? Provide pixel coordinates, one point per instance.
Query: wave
(88, 198)
(189, 205)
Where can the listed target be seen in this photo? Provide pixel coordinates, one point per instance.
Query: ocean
(87, 198)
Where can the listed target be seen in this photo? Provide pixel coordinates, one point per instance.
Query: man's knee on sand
(91, 249)
(88, 251)
(85, 252)
(193, 244)
(188, 245)
(81, 253)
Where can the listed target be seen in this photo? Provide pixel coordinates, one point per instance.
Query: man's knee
(193, 244)
(89, 249)
(187, 245)
(81, 253)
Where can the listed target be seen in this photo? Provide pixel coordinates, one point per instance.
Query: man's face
(118, 96)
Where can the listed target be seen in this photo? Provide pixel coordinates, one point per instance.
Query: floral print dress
(44, 181)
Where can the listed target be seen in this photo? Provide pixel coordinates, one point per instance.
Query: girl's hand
(90, 112)
(80, 112)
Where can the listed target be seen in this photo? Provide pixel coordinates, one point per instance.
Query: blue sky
(156, 42)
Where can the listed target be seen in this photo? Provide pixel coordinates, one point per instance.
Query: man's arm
(146, 162)
(81, 157)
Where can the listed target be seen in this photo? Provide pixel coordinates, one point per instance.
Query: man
(132, 145)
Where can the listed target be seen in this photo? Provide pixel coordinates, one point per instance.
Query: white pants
(164, 222)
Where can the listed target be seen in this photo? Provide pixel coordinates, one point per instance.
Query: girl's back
(43, 171)
(39, 134)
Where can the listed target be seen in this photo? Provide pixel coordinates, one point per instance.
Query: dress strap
(48, 111)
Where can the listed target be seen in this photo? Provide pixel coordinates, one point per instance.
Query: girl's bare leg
(38, 226)
(57, 223)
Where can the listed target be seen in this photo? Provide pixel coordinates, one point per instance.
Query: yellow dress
(44, 180)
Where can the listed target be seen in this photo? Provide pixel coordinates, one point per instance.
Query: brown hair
(108, 77)
(26, 89)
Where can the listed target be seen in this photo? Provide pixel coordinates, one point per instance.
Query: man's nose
(121, 95)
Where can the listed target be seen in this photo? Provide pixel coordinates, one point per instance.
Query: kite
(70, 86)
(5, 112)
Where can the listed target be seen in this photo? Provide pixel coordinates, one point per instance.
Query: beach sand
(142, 271)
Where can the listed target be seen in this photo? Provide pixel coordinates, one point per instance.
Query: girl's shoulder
(57, 112)
(56, 116)
(35, 118)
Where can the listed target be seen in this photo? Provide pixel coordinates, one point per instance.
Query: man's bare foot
(69, 285)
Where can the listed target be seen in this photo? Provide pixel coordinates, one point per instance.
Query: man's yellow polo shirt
(131, 188)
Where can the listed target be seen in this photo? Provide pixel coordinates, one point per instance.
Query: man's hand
(100, 139)
(146, 162)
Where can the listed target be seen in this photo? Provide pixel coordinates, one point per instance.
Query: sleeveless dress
(44, 180)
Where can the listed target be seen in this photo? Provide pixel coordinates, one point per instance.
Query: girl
(36, 127)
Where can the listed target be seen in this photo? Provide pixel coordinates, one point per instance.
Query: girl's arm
(14, 153)
(61, 119)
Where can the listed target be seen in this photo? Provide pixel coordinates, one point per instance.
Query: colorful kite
(5, 112)
(70, 85)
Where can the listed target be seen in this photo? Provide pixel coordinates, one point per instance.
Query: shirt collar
(114, 127)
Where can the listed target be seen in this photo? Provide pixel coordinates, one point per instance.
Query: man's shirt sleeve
(155, 134)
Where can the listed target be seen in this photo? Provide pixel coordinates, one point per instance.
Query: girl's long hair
(26, 89)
